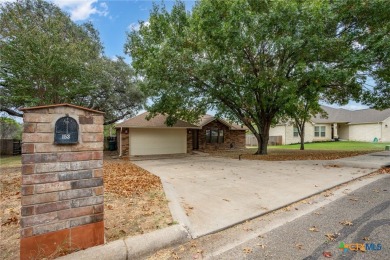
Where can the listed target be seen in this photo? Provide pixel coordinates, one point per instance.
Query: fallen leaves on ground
(10, 181)
(366, 238)
(314, 229)
(262, 246)
(327, 254)
(384, 170)
(332, 236)
(247, 229)
(187, 208)
(247, 250)
(299, 246)
(134, 199)
(9, 186)
(175, 255)
(289, 155)
(126, 178)
(10, 221)
(328, 194)
(346, 223)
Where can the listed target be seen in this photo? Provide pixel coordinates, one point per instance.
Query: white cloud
(82, 9)
(136, 26)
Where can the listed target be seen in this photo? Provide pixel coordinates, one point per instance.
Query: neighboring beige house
(360, 125)
(138, 136)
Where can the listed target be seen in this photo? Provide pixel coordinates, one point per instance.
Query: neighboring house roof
(158, 121)
(340, 115)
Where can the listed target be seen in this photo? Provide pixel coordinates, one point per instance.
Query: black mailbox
(66, 131)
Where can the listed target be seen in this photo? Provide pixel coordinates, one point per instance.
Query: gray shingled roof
(156, 122)
(340, 115)
(159, 122)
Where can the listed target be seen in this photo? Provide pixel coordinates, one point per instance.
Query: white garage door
(157, 141)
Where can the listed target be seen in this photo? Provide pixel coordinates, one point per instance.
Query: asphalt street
(354, 213)
(362, 216)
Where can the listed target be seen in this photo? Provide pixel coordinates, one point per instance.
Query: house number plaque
(66, 131)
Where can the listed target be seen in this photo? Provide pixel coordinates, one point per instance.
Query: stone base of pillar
(62, 241)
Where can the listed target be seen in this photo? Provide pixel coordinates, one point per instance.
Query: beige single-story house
(365, 125)
(138, 136)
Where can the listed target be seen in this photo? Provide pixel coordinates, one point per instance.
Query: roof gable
(206, 119)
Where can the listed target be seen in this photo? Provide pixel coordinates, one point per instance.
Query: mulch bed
(288, 155)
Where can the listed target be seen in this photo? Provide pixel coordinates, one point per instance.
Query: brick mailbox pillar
(62, 180)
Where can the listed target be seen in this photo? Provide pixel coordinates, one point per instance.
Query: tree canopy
(368, 23)
(246, 59)
(46, 58)
(10, 129)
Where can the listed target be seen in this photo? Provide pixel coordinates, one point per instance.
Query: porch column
(335, 134)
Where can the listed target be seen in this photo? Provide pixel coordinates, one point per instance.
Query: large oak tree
(246, 59)
(46, 58)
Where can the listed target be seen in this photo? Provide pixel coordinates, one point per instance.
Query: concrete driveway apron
(208, 194)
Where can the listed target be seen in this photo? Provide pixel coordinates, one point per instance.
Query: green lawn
(337, 146)
(10, 161)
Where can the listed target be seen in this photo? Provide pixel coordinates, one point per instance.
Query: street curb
(362, 165)
(134, 247)
(288, 204)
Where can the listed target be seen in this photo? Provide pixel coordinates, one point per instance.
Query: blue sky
(112, 18)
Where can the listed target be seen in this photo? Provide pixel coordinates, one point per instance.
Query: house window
(214, 136)
(296, 134)
(319, 131)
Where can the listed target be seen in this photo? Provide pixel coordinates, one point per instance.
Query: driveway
(208, 194)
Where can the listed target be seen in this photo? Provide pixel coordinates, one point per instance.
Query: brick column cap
(28, 109)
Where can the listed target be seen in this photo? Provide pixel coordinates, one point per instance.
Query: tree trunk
(259, 144)
(302, 135)
(302, 142)
(263, 138)
(264, 144)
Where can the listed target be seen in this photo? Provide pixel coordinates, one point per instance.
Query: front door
(195, 139)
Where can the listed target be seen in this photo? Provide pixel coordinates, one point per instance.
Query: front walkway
(209, 194)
